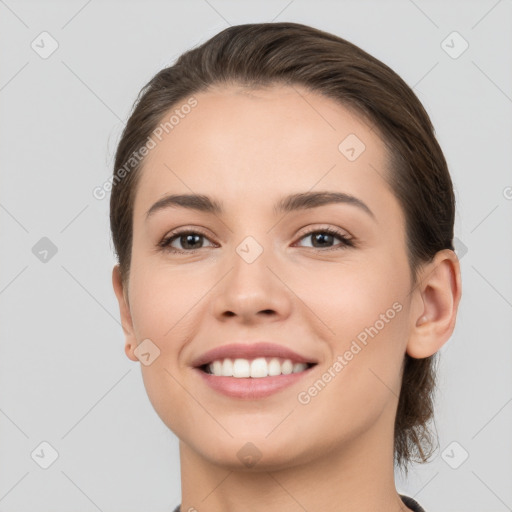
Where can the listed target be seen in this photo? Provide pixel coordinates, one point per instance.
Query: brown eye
(324, 238)
(188, 241)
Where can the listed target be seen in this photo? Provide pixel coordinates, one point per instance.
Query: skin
(248, 149)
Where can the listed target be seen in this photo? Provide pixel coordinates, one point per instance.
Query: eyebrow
(301, 201)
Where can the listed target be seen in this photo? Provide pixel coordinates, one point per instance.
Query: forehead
(258, 143)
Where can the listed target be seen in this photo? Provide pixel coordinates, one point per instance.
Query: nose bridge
(251, 286)
(251, 243)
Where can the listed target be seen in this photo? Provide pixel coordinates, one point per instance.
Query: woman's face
(254, 272)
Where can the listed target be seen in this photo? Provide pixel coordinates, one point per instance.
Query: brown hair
(263, 54)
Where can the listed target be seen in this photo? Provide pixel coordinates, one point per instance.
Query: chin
(251, 452)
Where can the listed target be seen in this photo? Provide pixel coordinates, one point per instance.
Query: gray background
(64, 377)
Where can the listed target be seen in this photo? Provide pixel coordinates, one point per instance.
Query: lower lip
(251, 388)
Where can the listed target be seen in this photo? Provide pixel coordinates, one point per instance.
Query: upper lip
(250, 351)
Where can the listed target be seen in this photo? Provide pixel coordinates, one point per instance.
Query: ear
(437, 296)
(126, 317)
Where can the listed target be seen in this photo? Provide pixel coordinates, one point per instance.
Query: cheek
(159, 313)
(167, 307)
(362, 379)
(352, 294)
(165, 301)
(363, 320)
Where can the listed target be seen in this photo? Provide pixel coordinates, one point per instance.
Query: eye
(189, 240)
(322, 238)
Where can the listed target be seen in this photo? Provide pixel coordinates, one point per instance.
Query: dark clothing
(412, 504)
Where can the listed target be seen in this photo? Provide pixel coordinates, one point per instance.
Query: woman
(283, 219)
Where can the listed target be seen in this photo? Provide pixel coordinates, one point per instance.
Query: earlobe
(124, 310)
(438, 291)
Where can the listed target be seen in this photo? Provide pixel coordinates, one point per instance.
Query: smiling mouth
(256, 368)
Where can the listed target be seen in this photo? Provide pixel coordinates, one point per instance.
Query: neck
(357, 477)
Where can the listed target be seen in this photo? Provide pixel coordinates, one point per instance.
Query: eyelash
(165, 243)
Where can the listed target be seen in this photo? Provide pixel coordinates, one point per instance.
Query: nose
(253, 291)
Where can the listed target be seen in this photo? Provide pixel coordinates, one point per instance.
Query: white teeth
(259, 368)
(274, 367)
(299, 367)
(241, 368)
(217, 367)
(227, 368)
(287, 367)
(256, 368)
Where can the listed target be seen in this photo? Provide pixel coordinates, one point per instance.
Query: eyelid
(324, 227)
